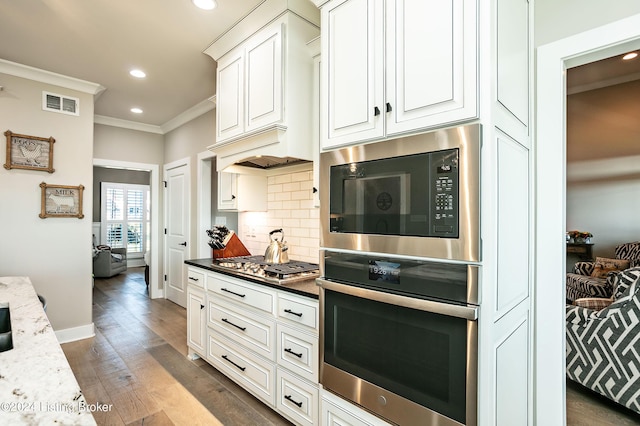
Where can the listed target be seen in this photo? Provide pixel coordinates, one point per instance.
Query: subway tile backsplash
(290, 207)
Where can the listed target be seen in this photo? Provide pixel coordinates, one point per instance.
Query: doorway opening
(156, 289)
(550, 211)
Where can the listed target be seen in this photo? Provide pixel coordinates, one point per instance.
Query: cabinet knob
(376, 111)
(233, 197)
(201, 306)
(389, 107)
(315, 189)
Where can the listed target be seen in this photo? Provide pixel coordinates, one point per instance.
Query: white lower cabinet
(241, 325)
(298, 352)
(297, 398)
(249, 370)
(196, 321)
(264, 339)
(335, 411)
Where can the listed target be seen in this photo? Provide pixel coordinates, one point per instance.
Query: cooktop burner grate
(256, 266)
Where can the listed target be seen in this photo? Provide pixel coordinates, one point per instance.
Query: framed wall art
(61, 201)
(29, 152)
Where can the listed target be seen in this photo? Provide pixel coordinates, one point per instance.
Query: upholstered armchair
(603, 349)
(594, 279)
(108, 262)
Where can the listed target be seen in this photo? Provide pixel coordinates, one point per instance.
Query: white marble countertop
(37, 385)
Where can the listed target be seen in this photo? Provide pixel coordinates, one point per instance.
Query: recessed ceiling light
(136, 110)
(205, 4)
(629, 56)
(138, 73)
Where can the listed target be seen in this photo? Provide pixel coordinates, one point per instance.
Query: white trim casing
(553, 60)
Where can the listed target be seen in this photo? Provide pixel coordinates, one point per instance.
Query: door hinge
(164, 183)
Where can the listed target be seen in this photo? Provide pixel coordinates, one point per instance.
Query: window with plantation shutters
(125, 216)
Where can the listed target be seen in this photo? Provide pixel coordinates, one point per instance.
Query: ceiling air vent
(58, 103)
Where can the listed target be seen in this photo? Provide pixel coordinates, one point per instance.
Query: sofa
(603, 345)
(594, 279)
(108, 261)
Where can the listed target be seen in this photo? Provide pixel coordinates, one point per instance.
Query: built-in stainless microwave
(414, 196)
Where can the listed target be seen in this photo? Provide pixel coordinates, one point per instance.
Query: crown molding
(48, 77)
(126, 124)
(182, 118)
(190, 114)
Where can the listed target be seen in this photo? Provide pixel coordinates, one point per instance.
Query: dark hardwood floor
(138, 364)
(587, 408)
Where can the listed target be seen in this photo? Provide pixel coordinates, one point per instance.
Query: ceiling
(102, 40)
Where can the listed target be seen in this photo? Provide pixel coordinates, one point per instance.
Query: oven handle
(466, 312)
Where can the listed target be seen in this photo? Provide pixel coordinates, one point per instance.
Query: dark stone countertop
(307, 288)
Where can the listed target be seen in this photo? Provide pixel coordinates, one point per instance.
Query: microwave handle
(459, 311)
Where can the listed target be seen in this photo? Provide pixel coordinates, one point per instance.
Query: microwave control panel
(444, 192)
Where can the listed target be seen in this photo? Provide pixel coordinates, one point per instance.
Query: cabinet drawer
(298, 352)
(297, 399)
(335, 411)
(244, 367)
(297, 310)
(246, 328)
(196, 277)
(242, 292)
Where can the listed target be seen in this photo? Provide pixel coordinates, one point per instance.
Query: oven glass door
(419, 355)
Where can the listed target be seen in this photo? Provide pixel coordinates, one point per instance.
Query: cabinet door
(352, 72)
(264, 79)
(227, 190)
(230, 96)
(430, 63)
(196, 319)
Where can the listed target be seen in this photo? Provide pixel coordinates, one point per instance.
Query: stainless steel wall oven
(400, 229)
(416, 196)
(399, 336)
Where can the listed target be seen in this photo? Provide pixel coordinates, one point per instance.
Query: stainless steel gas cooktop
(255, 267)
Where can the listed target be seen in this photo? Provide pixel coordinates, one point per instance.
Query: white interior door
(177, 210)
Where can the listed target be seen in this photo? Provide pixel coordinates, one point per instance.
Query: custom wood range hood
(264, 110)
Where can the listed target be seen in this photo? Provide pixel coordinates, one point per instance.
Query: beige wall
(115, 143)
(555, 20)
(54, 252)
(191, 138)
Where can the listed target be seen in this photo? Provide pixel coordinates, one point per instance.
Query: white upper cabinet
(242, 192)
(251, 73)
(264, 79)
(396, 67)
(352, 71)
(264, 84)
(230, 97)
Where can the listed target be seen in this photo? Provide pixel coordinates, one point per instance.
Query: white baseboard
(76, 333)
